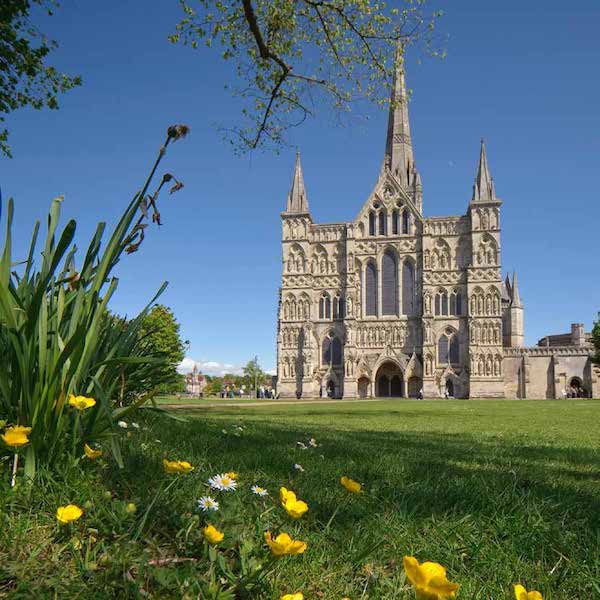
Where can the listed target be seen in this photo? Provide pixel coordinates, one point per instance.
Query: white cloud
(272, 371)
(209, 367)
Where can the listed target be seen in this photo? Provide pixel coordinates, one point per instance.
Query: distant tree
(160, 336)
(596, 339)
(213, 385)
(290, 54)
(25, 78)
(253, 374)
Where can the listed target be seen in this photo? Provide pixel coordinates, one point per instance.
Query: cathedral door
(396, 387)
(363, 387)
(383, 386)
(389, 381)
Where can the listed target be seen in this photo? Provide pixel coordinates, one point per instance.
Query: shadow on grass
(422, 474)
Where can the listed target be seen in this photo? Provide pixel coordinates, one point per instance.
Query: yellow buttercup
(212, 535)
(81, 402)
(522, 594)
(352, 486)
(16, 436)
(68, 514)
(177, 466)
(429, 580)
(294, 507)
(296, 596)
(91, 453)
(284, 545)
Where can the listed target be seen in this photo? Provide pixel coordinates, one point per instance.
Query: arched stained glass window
(382, 223)
(395, 222)
(372, 223)
(389, 282)
(454, 350)
(405, 221)
(371, 290)
(443, 350)
(408, 288)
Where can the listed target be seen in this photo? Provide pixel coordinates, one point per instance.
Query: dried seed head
(167, 177)
(176, 187)
(177, 131)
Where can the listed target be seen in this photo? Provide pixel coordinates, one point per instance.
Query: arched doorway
(330, 389)
(576, 389)
(389, 381)
(449, 388)
(363, 387)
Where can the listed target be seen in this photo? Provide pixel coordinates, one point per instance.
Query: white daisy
(299, 468)
(222, 482)
(122, 424)
(207, 503)
(135, 425)
(259, 491)
(312, 442)
(302, 445)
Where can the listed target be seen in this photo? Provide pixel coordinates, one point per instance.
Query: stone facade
(395, 303)
(195, 383)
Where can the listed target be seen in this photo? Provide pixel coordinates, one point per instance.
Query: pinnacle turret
(297, 200)
(516, 297)
(399, 157)
(483, 189)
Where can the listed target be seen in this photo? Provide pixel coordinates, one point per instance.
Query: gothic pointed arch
(320, 260)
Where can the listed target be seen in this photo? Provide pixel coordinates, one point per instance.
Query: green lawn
(497, 491)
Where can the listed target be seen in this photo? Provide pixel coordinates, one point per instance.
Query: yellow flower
(352, 486)
(177, 466)
(429, 580)
(295, 508)
(81, 402)
(16, 436)
(91, 453)
(131, 508)
(212, 535)
(283, 544)
(522, 594)
(66, 514)
(285, 495)
(297, 596)
(232, 475)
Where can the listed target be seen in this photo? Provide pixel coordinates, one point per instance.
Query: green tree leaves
(294, 55)
(159, 336)
(25, 78)
(596, 339)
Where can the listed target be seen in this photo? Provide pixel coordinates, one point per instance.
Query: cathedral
(398, 304)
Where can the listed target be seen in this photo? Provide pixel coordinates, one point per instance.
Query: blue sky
(521, 75)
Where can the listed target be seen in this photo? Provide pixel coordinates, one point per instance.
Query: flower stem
(13, 479)
(335, 512)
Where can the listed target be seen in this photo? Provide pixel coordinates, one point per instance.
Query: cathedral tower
(392, 303)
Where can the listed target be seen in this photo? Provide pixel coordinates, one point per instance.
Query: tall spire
(297, 200)
(516, 298)
(483, 190)
(398, 149)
